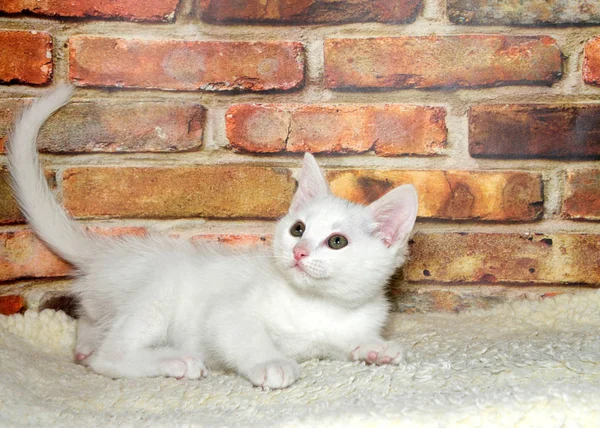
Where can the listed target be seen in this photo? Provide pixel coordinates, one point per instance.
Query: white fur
(164, 307)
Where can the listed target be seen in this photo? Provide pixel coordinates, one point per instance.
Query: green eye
(336, 242)
(297, 229)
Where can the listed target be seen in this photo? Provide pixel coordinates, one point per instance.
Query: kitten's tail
(47, 218)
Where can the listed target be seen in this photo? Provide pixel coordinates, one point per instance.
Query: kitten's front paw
(184, 367)
(378, 353)
(274, 374)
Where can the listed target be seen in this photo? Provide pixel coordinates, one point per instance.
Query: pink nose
(300, 252)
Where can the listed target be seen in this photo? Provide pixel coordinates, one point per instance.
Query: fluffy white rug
(520, 364)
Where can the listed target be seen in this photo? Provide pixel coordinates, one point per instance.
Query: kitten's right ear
(311, 184)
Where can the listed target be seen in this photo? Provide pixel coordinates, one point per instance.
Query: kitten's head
(332, 247)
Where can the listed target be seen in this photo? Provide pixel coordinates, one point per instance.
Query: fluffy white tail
(47, 218)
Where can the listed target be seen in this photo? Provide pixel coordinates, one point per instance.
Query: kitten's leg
(377, 351)
(244, 345)
(89, 336)
(127, 351)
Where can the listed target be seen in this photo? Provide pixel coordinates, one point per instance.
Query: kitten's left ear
(311, 183)
(395, 214)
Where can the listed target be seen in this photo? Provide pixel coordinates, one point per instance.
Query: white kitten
(165, 307)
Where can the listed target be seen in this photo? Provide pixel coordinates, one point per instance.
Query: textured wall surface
(190, 117)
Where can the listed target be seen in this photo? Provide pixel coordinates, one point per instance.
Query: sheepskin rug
(519, 364)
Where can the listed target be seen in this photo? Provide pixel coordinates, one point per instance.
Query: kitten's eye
(336, 242)
(297, 229)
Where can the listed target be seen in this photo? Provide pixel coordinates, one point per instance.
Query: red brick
(582, 198)
(504, 258)
(389, 130)
(453, 195)
(23, 255)
(25, 57)
(441, 62)
(134, 10)
(591, 61)
(534, 130)
(186, 65)
(10, 305)
(530, 12)
(227, 191)
(124, 127)
(310, 11)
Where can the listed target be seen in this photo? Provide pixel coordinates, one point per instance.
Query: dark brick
(582, 198)
(309, 11)
(530, 12)
(534, 131)
(124, 127)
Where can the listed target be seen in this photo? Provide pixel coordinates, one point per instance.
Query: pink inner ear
(395, 214)
(311, 184)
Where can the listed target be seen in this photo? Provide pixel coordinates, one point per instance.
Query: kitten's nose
(300, 251)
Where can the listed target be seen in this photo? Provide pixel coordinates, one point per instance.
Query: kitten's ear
(395, 214)
(311, 184)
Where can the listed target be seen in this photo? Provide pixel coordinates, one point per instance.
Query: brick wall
(190, 117)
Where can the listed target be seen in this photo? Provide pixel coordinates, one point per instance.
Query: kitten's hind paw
(82, 358)
(274, 374)
(378, 353)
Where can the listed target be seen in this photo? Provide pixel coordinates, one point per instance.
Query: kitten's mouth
(298, 268)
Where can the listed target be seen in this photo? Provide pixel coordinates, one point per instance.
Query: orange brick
(309, 11)
(235, 240)
(186, 65)
(25, 57)
(124, 127)
(134, 10)
(23, 255)
(453, 195)
(504, 258)
(426, 297)
(441, 62)
(389, 130)
(9, 210)
(591, 61)
(10, 305)
(228, 191)
(582, 199)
